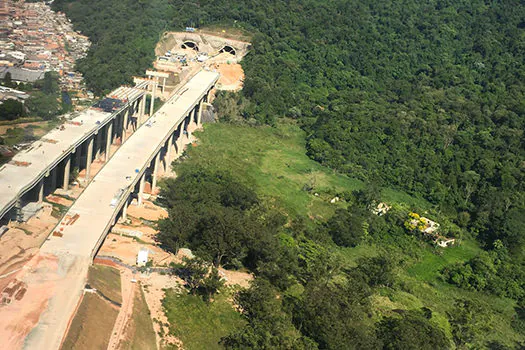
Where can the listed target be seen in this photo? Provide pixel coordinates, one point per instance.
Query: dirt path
(153, 287)
(126, 311)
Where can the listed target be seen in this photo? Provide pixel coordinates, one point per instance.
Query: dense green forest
(422, 96)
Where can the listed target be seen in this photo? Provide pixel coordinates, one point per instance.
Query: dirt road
(126, 310)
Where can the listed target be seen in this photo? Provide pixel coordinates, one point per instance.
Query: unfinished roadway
(48, 163)
(56, 277)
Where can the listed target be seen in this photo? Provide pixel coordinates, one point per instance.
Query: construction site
(57, 225)
(180, 53)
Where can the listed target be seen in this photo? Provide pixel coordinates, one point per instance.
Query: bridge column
(96, 147)
(155, 172)
(53, 174)
(125, 125)
(168, 152)
(136, 115)
(78, 154)
(118, 126)
(193, 114)
(178, 141)
(40, 187)
(18, 210)
(67, 172)
(142, 109)
(125, 210)
(152, 104)
(187, 126)
(109, 139)
(142, 183)
(199, 113)
(89, 159)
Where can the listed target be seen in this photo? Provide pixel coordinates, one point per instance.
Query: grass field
(427, 269)
(139, 332)
(91, 328)
(106, 280)
(274, 162)
(200, 325)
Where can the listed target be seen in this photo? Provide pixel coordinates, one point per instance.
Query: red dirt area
(59, 200)
(21, 242)
(23, 300)
(147, 211)
(232, 76)
(126, 249)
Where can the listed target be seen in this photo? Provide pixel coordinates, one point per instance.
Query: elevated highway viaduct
(48, 163)
(63, 261)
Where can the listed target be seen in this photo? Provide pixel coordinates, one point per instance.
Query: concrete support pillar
(78, 154)
(168, 153)
(97, 146)
(188, 128)
(40, 189)
(199, 113)
(193, 116)
(109, 139)
(89, 159)
(152, 104)
(118, 125)
(142, 183)
(53, 179)
(125, 124)
(155, 172)
(67, 172)
(142, 108)
(179, 139)
(18, 209)
(125, 210)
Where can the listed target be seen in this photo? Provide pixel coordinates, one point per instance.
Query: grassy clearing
(107, 281)
(274, 162)
(92, 326)
(200, 325)
(139, 332)
(431, 263)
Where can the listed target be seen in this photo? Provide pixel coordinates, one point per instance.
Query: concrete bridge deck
(30, 166)
(72, 253)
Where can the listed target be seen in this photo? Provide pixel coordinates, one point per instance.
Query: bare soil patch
(154, 286)
(148, 211)
(23, 311)
(239, 278)
(21, 242)
(232, 75)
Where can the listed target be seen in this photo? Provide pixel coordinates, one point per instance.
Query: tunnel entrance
(190, 45)
(228, 49)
